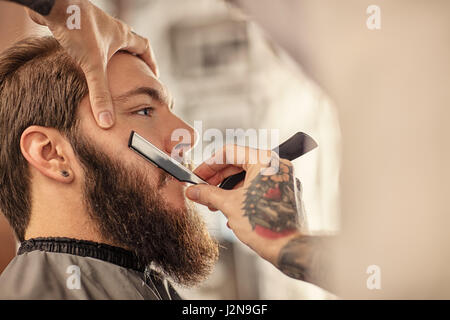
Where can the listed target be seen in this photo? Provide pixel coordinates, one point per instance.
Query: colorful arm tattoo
(274, 208)
(271, 205)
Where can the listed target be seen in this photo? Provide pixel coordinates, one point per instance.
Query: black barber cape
(62, 268)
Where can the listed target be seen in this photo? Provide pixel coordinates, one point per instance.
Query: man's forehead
(160, 95)
(130, 76)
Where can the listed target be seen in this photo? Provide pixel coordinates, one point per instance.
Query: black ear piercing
(65, 174)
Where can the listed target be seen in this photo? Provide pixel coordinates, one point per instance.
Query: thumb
(210, 196)
(100, 97)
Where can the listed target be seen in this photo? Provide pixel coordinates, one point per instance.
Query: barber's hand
(264, 211)
(100, 36)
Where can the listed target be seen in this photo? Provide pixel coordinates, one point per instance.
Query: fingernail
(193, 193)
(105, 119)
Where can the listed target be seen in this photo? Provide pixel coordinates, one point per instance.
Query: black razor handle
(296, 146)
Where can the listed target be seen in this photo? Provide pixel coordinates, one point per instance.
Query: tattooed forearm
(274, 208)
(270, 203)
(43, 7)
(307, 258)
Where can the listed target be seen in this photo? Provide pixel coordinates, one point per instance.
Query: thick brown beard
(131, 213)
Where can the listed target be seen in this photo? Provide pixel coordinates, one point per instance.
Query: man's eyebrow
(151, 92)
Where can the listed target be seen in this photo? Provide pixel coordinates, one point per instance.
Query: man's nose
(180, 139)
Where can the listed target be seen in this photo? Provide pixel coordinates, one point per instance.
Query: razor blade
(160, 159)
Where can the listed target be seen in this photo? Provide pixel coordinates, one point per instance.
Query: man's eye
(145, 112)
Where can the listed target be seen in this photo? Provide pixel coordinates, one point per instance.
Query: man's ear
(48, 152)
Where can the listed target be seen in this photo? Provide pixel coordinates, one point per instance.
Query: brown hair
(39, 85)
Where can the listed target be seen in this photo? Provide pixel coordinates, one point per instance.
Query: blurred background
(376, 101)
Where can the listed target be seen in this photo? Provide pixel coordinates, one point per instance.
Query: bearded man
(95, 221)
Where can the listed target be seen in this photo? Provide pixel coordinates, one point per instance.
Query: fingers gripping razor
(296, 146)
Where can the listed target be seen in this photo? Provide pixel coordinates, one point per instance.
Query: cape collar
(83, 248)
